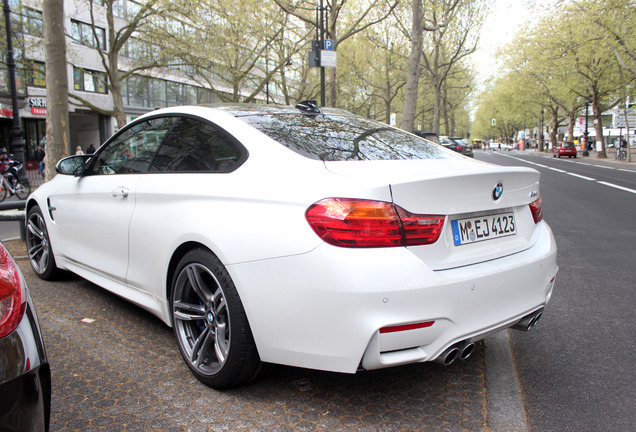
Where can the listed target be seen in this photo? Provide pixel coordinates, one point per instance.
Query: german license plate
(476, 229)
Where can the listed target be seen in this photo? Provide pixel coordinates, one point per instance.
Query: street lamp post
(17, 135)
(541, 136)
(267, 78)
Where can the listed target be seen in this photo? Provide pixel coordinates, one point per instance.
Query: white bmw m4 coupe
(300, 236)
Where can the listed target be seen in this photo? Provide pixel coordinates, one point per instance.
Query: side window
(196, 146)
(132, 151)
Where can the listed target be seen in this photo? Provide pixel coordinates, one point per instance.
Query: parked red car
(565, 148)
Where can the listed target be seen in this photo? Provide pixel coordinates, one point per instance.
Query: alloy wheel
(201, 319)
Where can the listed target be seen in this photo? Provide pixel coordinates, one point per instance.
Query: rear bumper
(25, 378)
(324, 310)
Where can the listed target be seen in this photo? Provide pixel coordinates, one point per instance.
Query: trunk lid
(464, 192)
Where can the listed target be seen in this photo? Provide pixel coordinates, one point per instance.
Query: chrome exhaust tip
(449, 355)
(528, 321)
(466, 351)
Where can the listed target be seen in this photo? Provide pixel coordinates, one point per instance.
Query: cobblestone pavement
(123, 372)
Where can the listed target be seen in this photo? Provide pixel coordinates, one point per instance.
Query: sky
(505, 19)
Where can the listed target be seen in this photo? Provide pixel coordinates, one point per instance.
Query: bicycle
(621, 154)
(19, 189)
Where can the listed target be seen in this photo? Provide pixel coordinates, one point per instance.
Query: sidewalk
(35, 179)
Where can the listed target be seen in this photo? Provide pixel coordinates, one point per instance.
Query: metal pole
(586, 133)
(267, 78)
(541, 136)
(17, 135)
(322, 46)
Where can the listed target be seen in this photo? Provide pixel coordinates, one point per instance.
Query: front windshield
(342, 137)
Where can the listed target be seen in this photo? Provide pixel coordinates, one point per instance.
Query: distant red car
(565, 148)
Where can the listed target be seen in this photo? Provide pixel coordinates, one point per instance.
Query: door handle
(120, 192)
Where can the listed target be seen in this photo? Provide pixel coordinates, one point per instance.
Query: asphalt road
(575, 368)
(122, 370)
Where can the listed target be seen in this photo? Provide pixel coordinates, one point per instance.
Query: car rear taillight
(12, 305)
(536, 207)
(364, 223)
(461, 148)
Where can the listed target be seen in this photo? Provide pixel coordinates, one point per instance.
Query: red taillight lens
(461, 148)
(420, 229)
(363, 223)
(536, 208)
(11, 305)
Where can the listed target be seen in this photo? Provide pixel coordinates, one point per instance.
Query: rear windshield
(344, 137)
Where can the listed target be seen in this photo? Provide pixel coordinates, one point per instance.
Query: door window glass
(132, 151)
(196, 146)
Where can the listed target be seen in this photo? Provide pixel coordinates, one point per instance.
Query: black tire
(3, 190)
(22, 190)
(210, 324)
(38, 245)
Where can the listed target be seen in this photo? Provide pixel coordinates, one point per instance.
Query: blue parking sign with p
(328, 45)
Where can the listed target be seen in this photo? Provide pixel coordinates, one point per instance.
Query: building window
(33, 22)
(126, 8)
(83, 33)
(36, 75)
(137, 91)
(135, 49)
(157, 92)
(89, 81)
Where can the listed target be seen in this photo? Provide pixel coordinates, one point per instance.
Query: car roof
(243, 110)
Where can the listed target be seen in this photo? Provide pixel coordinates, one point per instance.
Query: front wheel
(39, 246)
(210, 324)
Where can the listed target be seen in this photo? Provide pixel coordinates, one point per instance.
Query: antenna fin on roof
(309, 107)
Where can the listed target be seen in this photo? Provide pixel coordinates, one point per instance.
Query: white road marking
(612, 185)
(581, 176)
(617, 187)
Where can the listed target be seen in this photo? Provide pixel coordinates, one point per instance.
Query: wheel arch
(179, 253)
(30, 204)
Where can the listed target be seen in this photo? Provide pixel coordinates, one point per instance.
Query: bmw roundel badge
(497, 191)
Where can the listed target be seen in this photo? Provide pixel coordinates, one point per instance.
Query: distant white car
(298, 236)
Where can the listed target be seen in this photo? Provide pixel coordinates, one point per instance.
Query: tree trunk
(571, 121)
(118, 101)
(413, 68)
(332, 94)
(57, 127)
(555, 127)
(598, 127)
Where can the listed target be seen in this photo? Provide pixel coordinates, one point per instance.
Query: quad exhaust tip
(528, 321)
(459, 351)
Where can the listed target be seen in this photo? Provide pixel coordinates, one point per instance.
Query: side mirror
(73, 165)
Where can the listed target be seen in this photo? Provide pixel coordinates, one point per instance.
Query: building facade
(87, 80)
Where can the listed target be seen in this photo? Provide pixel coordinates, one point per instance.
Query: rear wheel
(210, 324)
(39, 246)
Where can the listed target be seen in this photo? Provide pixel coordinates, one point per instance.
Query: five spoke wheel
(38, 245)
(201, 318)
(210, 324)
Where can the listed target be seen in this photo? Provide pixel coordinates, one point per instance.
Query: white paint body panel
(310, 304)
